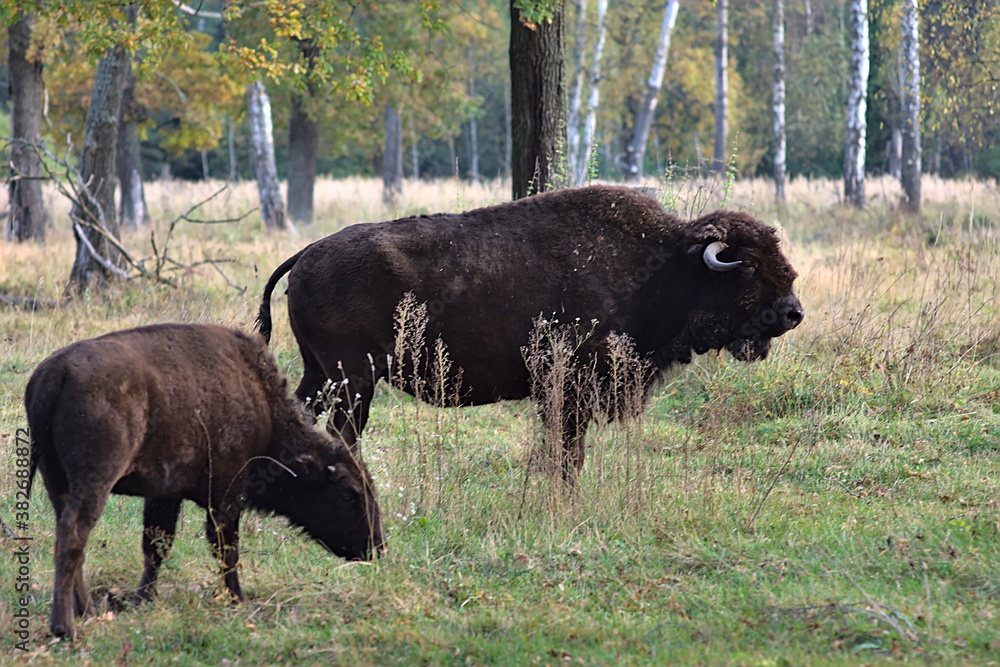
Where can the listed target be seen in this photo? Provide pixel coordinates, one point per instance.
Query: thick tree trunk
(27, 215)
(857, 103)
(272, 208)
(93, 216)
(720, 151)
(593, 97)
(537, 92)
(576, 89)
(132, 199)
(911, 158)
(303, 144)
(780, 137)
(392, 161)
(635, 152)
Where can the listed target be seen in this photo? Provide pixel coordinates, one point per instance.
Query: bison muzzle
(605, 256)
(174, 412)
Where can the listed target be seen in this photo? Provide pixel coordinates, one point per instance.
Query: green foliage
(185, 99)
(351, 61)
(533, 12)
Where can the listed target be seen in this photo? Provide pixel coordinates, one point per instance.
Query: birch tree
(721, 85)
(635, 152)
(593, 96)
(778, 101)
(27, 216)
(910, 168)
(576, 90)
(272, 208)
(857, 98)
(473, 125)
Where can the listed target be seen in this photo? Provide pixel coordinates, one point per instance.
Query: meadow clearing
(835, 504)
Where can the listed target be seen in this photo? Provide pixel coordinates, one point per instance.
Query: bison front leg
(223, 532)
(159, 518)
(574, 450)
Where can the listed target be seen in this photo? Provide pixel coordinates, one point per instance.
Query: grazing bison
(177, 411)
(606, 255)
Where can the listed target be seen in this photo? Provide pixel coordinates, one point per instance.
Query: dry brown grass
(853, 470)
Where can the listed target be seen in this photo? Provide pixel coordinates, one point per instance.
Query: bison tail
(263, 324)
(40, 397)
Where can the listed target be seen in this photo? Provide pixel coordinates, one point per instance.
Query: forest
(835, 503)
(443, 67)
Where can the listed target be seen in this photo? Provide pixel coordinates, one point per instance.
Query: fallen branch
(32, 303)
(105, 264)
(77, 192)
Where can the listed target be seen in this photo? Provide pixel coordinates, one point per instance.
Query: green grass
(834, 504)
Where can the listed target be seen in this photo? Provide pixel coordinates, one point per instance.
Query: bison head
(747, 298)
(330, 495)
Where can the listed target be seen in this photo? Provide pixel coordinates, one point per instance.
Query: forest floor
(836, 503)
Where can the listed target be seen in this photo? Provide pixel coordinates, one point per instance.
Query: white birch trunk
(473, 137)
(780, 137)
(895, 151)
(635, 152)
(720, 149)
(593, 98)
(272, 208)
(414, 152)
(910, 168)
(857, 104)
(576, 91)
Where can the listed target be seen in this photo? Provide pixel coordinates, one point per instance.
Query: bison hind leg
(310, 389)
(354, 389)
(76, 519)
(159, 518)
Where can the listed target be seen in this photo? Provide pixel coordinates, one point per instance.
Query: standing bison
(606, 256)
(170, 412)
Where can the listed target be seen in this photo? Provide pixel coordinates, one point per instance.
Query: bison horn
(711, 257)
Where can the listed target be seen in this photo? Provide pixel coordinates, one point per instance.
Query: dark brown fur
(172, 412)
(604, 254)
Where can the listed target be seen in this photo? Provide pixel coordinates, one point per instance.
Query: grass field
(834, 504)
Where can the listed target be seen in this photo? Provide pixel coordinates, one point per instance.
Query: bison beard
(606, 255)
(174, 412)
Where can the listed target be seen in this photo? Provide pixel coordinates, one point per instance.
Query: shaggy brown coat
(172, 412)
(602, 255)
